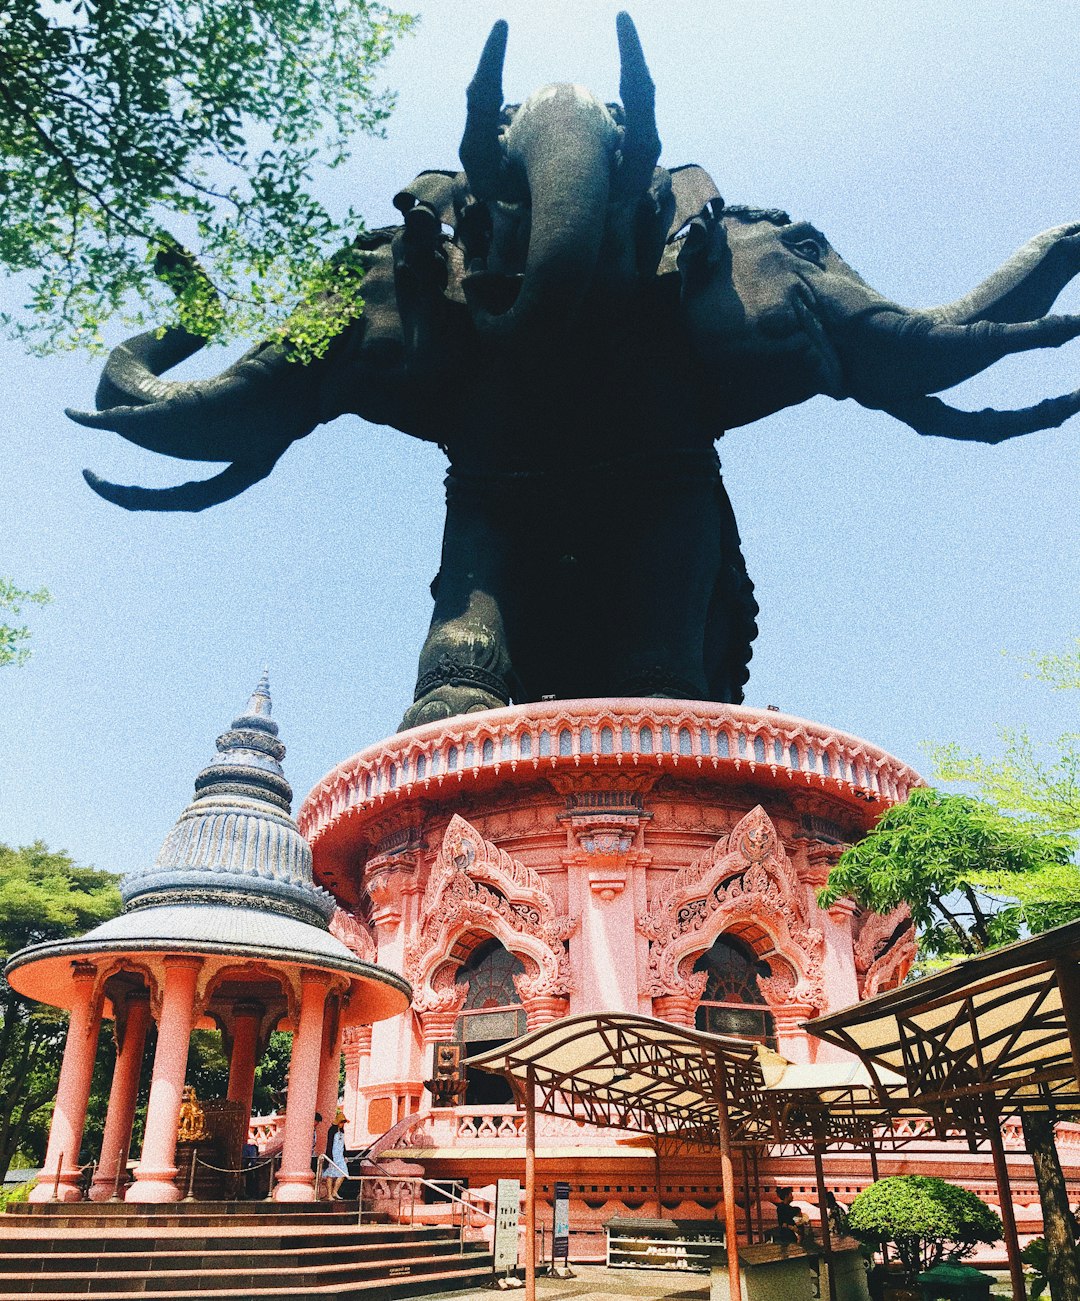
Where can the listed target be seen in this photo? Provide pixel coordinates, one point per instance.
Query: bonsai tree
(925, 1219)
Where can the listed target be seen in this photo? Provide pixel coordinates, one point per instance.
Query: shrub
(925, 1219)
(15, 1196)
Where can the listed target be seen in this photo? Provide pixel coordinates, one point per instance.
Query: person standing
(337, 1171)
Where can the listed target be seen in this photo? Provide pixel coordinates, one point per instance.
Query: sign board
(560, 1231)
(507, 1216)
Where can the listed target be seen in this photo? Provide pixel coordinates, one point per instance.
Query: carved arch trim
(884, 951)
(747, 886)
(475, 887)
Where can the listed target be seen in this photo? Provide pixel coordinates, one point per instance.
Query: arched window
(491, 1016)
(733, 1002)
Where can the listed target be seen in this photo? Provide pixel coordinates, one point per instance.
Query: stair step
(241, 1276)
(197, 1207)
(74, 1218)
(193, 1257)
(143, 1240)
(377, 1289)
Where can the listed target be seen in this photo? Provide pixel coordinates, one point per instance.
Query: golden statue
(192, 1125)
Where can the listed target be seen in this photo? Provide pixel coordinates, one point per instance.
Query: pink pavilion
(651, 856)
(227, 930)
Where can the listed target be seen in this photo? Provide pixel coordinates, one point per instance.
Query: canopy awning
(995, 1024)
(633, 1072)
(622, 1071)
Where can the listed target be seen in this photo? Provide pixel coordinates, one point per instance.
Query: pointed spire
(259, 708)
(238, 834)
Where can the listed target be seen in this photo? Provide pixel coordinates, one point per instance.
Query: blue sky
(927, 140)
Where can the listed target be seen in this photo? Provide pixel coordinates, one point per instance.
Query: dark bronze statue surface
(575, 326)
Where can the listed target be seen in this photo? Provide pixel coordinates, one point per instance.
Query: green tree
(924, 1218)
(13, 637)
(1037, 782)
(43, 896)
(119, 118)
(972, 876)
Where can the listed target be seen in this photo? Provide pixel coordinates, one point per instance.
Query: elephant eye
(809, 250)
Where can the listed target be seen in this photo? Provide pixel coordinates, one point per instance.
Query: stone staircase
(235, 1251)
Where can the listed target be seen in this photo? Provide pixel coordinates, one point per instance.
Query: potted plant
(925, 1221)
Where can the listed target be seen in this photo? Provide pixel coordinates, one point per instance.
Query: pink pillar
(61, 1169)
(156, 1171)
(329, 1071)
(131, 1041)
(245, 1036)
(296, 1179)
(357, 1046)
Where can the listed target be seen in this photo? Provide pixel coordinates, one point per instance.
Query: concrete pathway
(601, 1284)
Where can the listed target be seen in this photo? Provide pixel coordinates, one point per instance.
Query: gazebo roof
(232, 881)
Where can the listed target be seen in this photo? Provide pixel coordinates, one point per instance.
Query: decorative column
(156, 1171)
(542, 1009)
(329, 1072)
(356, 1041)
(296, 1180)
(61, 1170)
(132, 1022)
(247, 1018)
(679, 1009)
(791, 1039)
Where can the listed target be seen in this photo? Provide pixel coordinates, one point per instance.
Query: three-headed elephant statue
(575, 326)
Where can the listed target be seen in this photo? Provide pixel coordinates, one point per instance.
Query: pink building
(651, 856)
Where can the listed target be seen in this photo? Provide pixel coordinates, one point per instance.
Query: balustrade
(579, 733)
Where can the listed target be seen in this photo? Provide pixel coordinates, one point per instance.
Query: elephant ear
(693, 188)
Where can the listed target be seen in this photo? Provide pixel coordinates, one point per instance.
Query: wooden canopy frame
(993, 1034)
(622, 1071)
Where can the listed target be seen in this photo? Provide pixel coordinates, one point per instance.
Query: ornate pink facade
(606, 845)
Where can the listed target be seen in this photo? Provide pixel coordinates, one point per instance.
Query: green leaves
(13, 637)
(120, 118)
(972, 876)
(924, 1218)
(43, 896)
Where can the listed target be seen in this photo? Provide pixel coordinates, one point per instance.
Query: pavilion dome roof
(236, 843)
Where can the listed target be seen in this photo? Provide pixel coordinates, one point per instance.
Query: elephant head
(779, 316)
(563, 192)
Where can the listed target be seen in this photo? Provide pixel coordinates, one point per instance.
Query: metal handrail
(415, 1181)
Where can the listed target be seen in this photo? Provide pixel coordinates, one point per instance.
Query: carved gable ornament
(356, 937)
(884, 951)
(746, 877)
(475, 886)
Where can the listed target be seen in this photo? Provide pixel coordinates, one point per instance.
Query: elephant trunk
(563, 142)
(892, 353)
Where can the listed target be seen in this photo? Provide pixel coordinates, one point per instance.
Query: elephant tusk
(195, 495)
(934, 418)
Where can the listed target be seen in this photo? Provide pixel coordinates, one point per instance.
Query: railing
(453, 1191)
(495, 1125)
(575, 734)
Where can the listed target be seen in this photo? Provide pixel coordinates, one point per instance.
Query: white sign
(507, 1216)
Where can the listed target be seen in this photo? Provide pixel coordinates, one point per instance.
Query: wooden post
(759, 1212)
(872, 1149)
(727, 1179)
(992, 1116)
(1068, 982)
(746, 1195)
(530, 1184)
(823, 1210)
